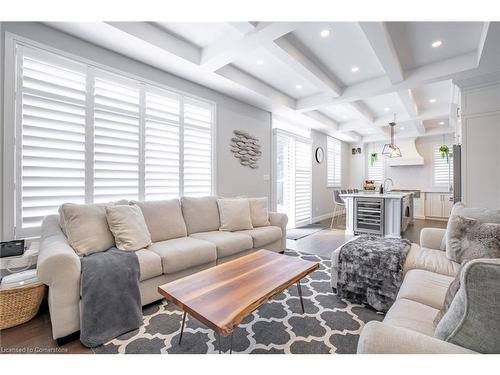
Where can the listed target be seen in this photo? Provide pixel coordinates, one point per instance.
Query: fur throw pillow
(470, 239)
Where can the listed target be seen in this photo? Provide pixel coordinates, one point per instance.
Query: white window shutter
(375, 171)
(51, 137)
(162, 148)
(442, 169)
(303, 170)
(334, 162)
(197, 147)
(116, 138)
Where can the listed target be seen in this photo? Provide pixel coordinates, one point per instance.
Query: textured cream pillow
(86, 227)
(259, 212)
(234, 214)
(129, 227)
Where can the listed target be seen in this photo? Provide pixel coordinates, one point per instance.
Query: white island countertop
(366, 194)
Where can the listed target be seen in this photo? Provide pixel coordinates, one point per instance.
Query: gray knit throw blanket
(371, 270)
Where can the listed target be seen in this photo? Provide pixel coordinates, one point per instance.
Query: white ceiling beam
(318, 116)
(403, 118)
(228, 50)
(161, 39)
(380, 40)
(482, 41)
(407, 135)
(410, 105)
(291, 52)
(250, 82)
(435, 72)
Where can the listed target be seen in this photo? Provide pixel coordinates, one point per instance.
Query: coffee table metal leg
(218, 342)
(182, 326)
(299, 288)
(231, 348)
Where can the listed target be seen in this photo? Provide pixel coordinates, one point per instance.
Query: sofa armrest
(279, 220)
(381, 338)
(59, 268)
(431, 238)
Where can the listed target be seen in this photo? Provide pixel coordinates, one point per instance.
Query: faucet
(392, 184)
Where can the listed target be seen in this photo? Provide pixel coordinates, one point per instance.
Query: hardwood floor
(35, 336)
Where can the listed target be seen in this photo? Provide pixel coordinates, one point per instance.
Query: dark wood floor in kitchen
(35, 336)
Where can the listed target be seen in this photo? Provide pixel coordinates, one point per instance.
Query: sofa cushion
(86, 227)
(469, 239)
(164, 219)
(263, 236)
(128, 227)
(425, 287)
(234, 214)
(259, 211)
(179, 254)
(227, 243)
(200, 214)
(149, 264)
(430, 260)
(412, 315)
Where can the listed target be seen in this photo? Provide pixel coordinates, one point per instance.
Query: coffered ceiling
(347, 79)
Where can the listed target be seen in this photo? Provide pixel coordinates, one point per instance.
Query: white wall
(481, 143)
(231, 178)
(418, 177)
(322, 196)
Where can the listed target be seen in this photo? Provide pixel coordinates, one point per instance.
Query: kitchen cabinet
(438, 205)
(418, 207)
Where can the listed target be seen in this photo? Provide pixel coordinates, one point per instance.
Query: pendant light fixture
(390, 149)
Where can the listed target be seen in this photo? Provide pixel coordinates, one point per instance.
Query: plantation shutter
(443, 175)
(197, 147)
(375, 171)
(51, 137)
(333, 162)
(116, 138)
(302, 182)
(162, 149)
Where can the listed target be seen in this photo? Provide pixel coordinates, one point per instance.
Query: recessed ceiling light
(260, 62)
(298, 87)
(354, 69)
(324, 33)
(437, 44)
(387, 109)
(432, 100)
(441, 122)
(401, 128)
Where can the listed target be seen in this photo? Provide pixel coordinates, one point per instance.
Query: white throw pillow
(86, 227)
(234, 214)
(128, 227)
(259, 212)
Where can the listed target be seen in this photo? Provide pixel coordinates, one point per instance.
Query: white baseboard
(315, 219)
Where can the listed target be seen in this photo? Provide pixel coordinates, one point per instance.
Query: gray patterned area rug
(330, 325)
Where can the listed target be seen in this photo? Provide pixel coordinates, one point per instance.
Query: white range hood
(409, 152)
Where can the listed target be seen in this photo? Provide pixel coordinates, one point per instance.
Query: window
(442, 168)
(293, 177)
(85, 135)
(376, 169)
(334, 160)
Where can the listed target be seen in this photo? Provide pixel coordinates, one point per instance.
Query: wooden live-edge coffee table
(222, 296)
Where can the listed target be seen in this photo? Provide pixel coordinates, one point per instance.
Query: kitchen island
(387, 214)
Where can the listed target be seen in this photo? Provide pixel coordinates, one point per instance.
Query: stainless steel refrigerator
(457, 173)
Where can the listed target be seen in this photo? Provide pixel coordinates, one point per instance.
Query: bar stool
(339, 204)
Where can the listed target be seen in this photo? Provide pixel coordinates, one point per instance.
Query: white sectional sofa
(471, 324)
(186, 239)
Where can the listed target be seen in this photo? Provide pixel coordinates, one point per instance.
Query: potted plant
(373, 158)
(445, 152)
